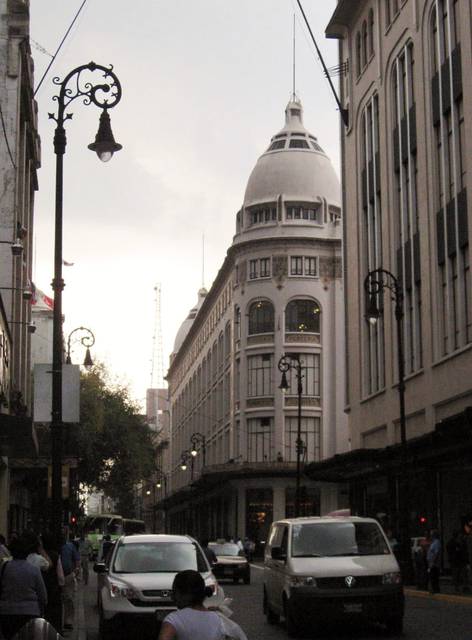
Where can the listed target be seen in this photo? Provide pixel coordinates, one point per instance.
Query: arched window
(303, 316)
(358, 53)
(261, 317)
(371, 32)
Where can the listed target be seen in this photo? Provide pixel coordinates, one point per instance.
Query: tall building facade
(407, 184)
(19, 161)
(278, 291)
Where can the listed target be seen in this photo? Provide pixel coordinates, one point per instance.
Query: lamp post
(161, 482)
(87, 341)
(287, 362)
(195, 440)
(186, 457)
(375, 284)
(105, 94)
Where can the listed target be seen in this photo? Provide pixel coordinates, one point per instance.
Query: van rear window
(338, 539)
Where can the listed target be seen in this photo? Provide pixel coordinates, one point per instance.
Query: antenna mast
(293, 72)
(157, 362)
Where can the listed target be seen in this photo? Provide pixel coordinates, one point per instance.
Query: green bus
(100, 524)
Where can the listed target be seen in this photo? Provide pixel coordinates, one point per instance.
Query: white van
(321, 568)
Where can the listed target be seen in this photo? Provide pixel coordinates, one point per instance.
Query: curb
(80, 614)
(445, 597)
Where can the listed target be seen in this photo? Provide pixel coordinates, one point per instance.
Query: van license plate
(353, 607)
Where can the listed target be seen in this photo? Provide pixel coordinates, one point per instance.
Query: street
(427, 617)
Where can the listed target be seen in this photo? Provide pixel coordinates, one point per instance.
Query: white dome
(187, 323)
(294, 166)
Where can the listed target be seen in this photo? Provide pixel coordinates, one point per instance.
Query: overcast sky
(205, 84)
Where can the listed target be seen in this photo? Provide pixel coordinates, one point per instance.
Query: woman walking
(22, 591)
(193, 621)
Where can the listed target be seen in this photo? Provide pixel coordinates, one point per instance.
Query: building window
(310, 376)
(372, 258)
(303, 213)
(454, 314)
(371, 32)
(304, 266)
(259, 268)
(310, 436)
(302, 316)
(261, 317)
(358, 54)
(259, 378)
(407, 239)
(262, 215)
(277, 144)
(259, 439)
(299, 144)
(364, 44)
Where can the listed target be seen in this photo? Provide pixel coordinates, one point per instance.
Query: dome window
(295, 113)
(280, 135)
(303, 213)
(302, 316)
(263, 215)
(298, 144)
(261, 317)
(317, 147)
(278, 144)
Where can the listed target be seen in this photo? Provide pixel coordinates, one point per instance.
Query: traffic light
(422, 520)
(73, 520)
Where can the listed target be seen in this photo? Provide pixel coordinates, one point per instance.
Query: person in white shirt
(193, 621)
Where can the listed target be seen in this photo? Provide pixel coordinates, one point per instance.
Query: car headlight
(118, 590)
(392, 578)
(302, 581)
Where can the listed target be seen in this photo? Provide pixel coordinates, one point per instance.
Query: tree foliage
(114, 442)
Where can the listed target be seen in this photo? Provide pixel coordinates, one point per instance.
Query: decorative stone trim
(259, 402)
(292, 401)
(312, 338)
(266, 338)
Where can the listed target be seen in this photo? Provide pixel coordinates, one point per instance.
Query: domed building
(239, 441)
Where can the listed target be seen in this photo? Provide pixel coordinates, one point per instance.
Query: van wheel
(272, 618)
(395, 626)
(291, 625)
(105, 627)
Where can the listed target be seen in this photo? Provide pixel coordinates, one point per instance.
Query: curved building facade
(279, 291)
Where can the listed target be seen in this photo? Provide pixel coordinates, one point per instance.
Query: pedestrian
(239, 542)
(248, 548)
(433, 558)
(85, 552)
(70, 560)
(54, 581)
(4, 551)
(192, 620)
(209, 553)
(23, 593)
(36, 553)
(458, 559)
(106, 546)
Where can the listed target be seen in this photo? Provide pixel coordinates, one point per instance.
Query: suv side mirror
(278, 553)
(100, 567)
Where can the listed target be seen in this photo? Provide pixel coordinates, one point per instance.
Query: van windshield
(338, 539)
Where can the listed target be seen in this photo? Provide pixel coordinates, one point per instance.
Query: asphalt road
(427, 617)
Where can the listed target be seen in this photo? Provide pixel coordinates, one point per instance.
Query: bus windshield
(103, 524)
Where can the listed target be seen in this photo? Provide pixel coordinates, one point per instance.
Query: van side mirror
(278, 553)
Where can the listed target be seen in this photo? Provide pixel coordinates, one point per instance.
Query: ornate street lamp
(375, 284)
(198, 440)
(87, 340)
(105, 94)
(287, 362)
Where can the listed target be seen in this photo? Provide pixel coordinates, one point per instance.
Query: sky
(205, 85)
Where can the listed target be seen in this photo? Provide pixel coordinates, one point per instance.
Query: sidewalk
(447, 592)
(79, 632)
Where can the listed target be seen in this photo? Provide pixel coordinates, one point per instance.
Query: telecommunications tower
(157, 362)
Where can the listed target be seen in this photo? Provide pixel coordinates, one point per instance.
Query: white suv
(135, 584)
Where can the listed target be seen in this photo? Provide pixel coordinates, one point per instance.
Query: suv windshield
(338, 539)
(226, 549)
(160, 557)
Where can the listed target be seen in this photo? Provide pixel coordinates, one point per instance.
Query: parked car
(135, 583)
(319, 569)
(232, 563)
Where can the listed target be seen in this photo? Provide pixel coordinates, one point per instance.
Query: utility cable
(59, 47)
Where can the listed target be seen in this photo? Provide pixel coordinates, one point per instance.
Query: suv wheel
(291, 624)
(105, 628)
(272, 618)
(395, 626)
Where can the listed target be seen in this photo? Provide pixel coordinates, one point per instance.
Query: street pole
(105, 146)
(375, 283)
(287, 362)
